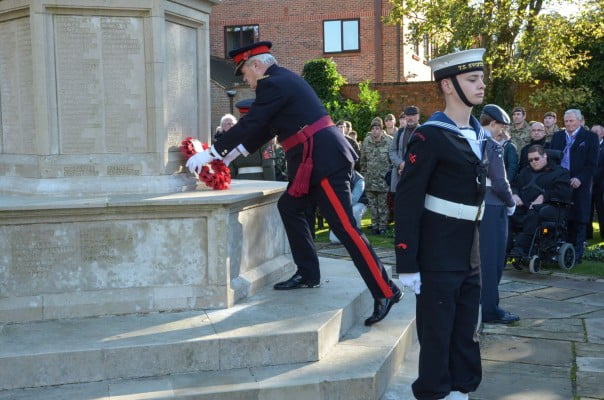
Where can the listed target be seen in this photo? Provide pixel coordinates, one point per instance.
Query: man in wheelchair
(539, 192)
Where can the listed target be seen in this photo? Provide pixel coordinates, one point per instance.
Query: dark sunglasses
(534, 159)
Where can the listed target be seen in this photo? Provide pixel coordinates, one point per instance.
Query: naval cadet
(438, 206)
(320, 162)
(499, 204)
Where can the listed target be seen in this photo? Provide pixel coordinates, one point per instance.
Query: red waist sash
(301, 183)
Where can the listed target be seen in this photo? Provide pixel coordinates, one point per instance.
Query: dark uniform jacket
(510, 159)
(440, 162)
(583, 160)
(285, 103)
(498, 190)
(552, 182)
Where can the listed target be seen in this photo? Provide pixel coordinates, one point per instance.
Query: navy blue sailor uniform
(286, 104)
(438, 204)
(494, 230)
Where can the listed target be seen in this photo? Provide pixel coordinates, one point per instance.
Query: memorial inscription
(101, 84)
(16, 88)
(181, 74)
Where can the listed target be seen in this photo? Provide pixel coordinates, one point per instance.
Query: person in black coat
(320, 162)
(535, 187)
(598, 187)
(580, 156)
(438, 205)
(537, 137)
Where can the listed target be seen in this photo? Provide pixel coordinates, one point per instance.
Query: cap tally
(457, 63)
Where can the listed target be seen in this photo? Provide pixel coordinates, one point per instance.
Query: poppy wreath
(217, 175)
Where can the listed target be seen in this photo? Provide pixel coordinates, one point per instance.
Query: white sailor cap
(456, 63)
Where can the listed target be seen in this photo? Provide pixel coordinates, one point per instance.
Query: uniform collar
(440, 120)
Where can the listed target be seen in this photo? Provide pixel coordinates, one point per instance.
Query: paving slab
(589, 350)
(595, 330)
(526, 350)
(558, 329)
(593, 299)
(589, 384)
(533, 307)
(520, 287)
(557, 293)
(519, 381)
(590, 364)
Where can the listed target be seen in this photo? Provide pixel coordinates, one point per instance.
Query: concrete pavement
(555, 352)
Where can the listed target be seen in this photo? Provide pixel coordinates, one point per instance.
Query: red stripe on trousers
(356, 238)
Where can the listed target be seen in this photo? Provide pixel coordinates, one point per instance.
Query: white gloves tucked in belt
(412, 281)
(511, 210)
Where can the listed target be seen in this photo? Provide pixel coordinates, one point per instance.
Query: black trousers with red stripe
(332, 195)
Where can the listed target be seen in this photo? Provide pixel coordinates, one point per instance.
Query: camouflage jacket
(375, 162)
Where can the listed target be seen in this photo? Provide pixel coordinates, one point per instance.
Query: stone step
(359, 367)
(267, 329)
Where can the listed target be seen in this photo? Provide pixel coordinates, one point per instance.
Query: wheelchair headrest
(554, 156)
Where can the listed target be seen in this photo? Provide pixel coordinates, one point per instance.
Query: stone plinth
(95, 95)
(119, 254)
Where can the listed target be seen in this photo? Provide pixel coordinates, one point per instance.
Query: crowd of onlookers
(581, 147)
(382, 159)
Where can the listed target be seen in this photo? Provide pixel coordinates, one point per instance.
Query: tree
(523, 42)
(323, 76)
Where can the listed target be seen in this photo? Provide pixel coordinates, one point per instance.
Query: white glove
(511, 210)
(198, 160)
(412, 281)
(229, 158)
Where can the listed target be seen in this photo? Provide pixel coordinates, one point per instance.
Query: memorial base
(121, 254)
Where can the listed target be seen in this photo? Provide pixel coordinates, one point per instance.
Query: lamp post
(231, 93)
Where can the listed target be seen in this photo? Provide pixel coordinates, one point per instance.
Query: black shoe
(296, 282)
(505, 318)
(382, 232)
(381, 307)
(375, 231)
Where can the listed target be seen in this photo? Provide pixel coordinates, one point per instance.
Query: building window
(340, 35)
(239, 36)
(426, 47)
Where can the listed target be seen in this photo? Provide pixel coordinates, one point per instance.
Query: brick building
(349, 31)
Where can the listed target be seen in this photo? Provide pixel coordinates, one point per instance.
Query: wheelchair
(548, 244)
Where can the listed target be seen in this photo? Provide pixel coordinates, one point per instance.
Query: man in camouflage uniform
(520, 131)
(374, 165)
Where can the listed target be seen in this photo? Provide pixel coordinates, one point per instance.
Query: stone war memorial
(97, 213)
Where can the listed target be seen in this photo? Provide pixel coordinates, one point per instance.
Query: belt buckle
(479, 212)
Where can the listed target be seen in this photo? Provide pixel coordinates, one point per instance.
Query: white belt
(489, 183)
(453, 210)
(250, 170)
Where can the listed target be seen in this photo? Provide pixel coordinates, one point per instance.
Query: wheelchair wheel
(566, 256)
(535, 264)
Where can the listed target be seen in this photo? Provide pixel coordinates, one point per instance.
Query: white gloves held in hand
(198, 160)
(511, 210)
(412, 281)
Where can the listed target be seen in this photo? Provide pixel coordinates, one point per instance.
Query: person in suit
(579, 148)
(438, 205)
(598, 187)
(320, 162)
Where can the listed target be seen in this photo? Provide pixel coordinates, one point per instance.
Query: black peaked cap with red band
(242, 54)
(244, 105)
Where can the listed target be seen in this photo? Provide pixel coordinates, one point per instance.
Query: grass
(588, 268)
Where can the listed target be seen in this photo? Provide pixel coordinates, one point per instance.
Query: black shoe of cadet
(297, 282)
(381, 307)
